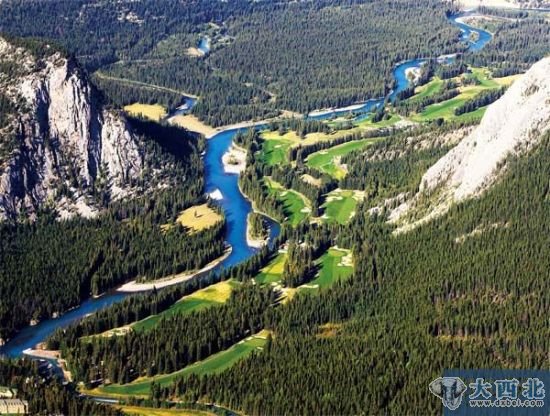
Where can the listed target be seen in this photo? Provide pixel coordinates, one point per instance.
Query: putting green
(340, 205)
(296, 206)
(336, 264)
(273, 272)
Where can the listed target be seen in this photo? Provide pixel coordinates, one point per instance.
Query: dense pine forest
(520, 40)
(419, 302)
(345, 52)
(338, 314)
(187, 338)
(316, 69)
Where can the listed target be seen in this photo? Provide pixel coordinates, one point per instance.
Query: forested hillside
(344, 52)
(333, 55)
(443, 296)
(461, 291)
(521, 39)
(344, 310)
(49, 266)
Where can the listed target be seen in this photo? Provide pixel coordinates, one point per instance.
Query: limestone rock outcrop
(64, 142)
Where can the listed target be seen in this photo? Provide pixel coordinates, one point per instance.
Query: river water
(235, 206)
(204, 45)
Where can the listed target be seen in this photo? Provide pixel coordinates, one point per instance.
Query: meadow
(197, 218)
(327, 160)
(154, 112)
(214, 364)
(213, 295)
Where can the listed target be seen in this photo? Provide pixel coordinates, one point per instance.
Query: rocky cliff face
(510, 126)
(63, 142)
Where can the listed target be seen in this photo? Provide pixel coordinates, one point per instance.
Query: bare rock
(65, 140)
(510, 126)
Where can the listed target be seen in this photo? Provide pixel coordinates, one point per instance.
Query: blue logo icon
(450, 390)
(490, 392)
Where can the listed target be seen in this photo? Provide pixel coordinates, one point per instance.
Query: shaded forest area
(49, 266)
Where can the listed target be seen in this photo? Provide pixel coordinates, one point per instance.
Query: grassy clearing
(273, 272)
(274, 151)
(212, 365)
(173, 45)
(507, 81)
(394, 119)
(446, 109)
(154, 112)
(336, 264)
(340, 205)
(197, 218)
(427, 90)
(296, 206)
(192, 123)
(152, 411)
(327, 160)
(212, 295)
(275, 146)
(473, 115)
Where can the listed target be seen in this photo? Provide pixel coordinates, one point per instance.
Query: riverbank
(325, 111)
(251, 241)
(134, 286)
(192, 123)
(250, 123)
(232, 201)
(413, 74)
(40, 352)
(234, 160)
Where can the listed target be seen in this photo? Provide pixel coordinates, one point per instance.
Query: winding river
(235, 206)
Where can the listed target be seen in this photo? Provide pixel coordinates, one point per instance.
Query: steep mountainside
(511, 126)
(58, 144)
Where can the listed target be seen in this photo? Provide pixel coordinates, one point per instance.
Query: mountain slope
(59, 144)
(511, 126)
